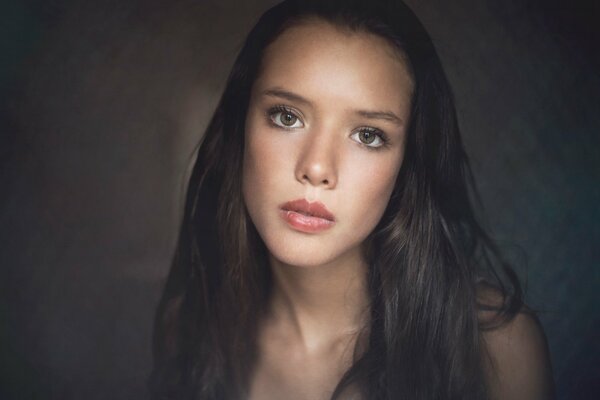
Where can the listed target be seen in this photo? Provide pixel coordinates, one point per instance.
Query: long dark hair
(427, 256)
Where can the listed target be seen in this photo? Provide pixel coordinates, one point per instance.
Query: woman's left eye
(370, 137)
(285, 118)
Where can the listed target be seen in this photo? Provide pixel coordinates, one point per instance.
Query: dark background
(103, 101)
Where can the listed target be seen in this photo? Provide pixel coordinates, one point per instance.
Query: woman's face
(326, 126)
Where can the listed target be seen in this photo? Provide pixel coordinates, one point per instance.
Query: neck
(320, 304)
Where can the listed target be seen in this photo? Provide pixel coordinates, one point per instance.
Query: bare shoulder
(516, 357)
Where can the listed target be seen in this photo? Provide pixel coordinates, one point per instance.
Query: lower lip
(304, 223)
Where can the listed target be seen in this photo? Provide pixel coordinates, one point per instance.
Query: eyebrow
(278, 92)
(384, 115)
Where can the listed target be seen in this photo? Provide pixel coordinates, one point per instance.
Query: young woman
(328, 247)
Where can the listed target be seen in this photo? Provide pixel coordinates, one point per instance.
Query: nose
(317, 162)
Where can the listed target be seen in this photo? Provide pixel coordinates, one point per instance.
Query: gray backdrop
(103, 102)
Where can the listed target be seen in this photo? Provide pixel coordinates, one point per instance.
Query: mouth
(307, 217)
(315, 209)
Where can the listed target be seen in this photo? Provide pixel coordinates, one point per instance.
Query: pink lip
(307, 217)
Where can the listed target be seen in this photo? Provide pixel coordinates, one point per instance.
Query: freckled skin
(338, 72)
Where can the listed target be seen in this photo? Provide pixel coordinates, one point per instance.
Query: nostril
(315, 180)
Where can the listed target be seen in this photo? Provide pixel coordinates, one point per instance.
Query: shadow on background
(103, 102)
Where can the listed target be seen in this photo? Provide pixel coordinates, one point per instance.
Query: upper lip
(315, 209)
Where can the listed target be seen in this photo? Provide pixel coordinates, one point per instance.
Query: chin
(313, 254)
(299, 261)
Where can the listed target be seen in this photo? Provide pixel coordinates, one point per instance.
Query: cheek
(251, 175)
(262, 169)
(373, 186)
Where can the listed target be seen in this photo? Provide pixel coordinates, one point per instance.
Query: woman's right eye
(285, 118)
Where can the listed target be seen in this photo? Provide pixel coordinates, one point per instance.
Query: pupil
(367, 137)
(288, 119)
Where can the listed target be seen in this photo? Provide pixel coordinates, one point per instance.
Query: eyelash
(284, 109)
(281, 109)
(385, 141)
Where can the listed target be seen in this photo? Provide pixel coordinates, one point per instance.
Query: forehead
(316, 56)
